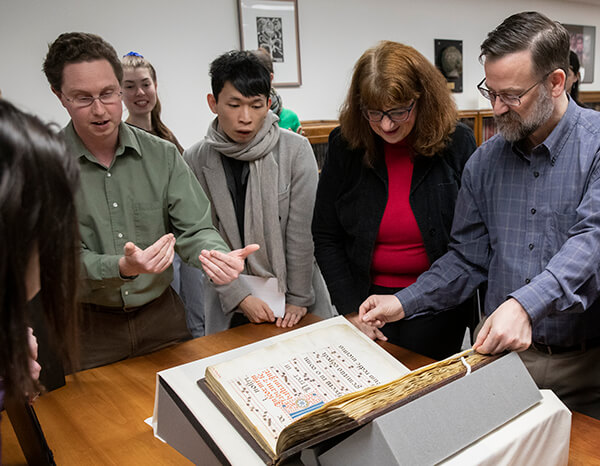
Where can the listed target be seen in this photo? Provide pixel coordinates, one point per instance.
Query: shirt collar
(127, 139)
(560, 134)
(556, 140)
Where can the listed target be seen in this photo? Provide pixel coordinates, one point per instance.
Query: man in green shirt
(137, 204)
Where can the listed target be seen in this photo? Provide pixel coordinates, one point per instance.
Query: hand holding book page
(318, 384)
(270, 388)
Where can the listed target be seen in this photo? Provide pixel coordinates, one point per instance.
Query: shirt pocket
(557, 232)
(150, 222)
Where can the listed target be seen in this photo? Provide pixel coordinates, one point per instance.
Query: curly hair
(390, 74)
(77, 47)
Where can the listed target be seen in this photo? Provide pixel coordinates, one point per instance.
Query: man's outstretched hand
(154, 259)
(223, 268)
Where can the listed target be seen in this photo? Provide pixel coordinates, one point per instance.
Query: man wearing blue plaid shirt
(527, 220)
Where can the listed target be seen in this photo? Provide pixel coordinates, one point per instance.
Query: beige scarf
(261, 212)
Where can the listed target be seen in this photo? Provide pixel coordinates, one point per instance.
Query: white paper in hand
(267, 290)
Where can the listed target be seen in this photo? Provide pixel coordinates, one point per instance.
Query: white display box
(495, 416)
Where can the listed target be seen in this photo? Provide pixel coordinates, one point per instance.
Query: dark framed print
(449, 60)
(583, 40)
(273, 26)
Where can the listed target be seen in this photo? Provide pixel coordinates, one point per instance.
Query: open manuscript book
(315, 385)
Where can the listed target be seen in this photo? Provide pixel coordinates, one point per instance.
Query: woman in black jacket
(386, 195)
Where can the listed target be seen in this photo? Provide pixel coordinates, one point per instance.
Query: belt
(553, 349)
(121, 310)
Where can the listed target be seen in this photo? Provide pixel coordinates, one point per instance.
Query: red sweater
(399, 256)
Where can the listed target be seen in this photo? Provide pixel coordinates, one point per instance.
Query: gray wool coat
(297, 185)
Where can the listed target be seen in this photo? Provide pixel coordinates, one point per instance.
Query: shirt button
(530, 246)
(108, 175)
(120, 235)
(536, 174)
(527, 281)
(126, 293)
(115, 204)
(533, 211)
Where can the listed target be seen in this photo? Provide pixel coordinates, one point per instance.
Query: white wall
(181, 37)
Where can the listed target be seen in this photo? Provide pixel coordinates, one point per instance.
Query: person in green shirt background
(138, 204)
(287, 118)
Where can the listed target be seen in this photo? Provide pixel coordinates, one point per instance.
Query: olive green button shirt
(147, 191)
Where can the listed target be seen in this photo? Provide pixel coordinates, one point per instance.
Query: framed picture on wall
(273, 26)
(583, 40)
(449, 60)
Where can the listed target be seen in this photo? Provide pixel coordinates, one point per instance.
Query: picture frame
(273, 25)
(449, 60)
(583, 40)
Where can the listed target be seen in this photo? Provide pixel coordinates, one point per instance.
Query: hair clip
(133, 54)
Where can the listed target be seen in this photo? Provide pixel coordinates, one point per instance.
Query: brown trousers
(110, 334)
(573, 376)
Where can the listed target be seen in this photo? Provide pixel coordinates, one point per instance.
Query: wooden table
(97, 418)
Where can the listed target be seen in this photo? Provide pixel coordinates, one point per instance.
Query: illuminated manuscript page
(278, 384)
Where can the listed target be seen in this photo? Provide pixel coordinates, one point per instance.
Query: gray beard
(515, 128)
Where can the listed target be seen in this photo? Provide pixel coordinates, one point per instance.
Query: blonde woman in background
(141, 99)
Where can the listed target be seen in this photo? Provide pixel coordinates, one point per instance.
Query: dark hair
(77, 47)
(392, 73)
(159, 128)
(37, 212)
(547, 40)
(574, 65)
(243, 70)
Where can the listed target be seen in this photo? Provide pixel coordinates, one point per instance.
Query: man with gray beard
(527, 220)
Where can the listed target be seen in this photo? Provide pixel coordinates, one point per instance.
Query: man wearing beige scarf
(261, 181)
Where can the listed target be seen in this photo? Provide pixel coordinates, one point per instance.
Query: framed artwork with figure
(449, 60)
(273, 26)
(583, 41)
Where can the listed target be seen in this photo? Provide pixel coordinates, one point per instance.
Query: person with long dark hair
(39, 248)
(573, 77)
(386, 195)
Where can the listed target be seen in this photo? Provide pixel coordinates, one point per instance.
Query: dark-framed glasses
(108, 97)
(397, 115)
(511, 100)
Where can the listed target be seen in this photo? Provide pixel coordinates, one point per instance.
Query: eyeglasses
(108, 97)
(508, 99)
(397, 115)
